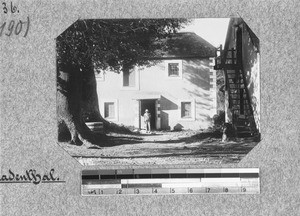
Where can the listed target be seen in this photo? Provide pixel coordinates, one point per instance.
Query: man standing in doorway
(147, 118)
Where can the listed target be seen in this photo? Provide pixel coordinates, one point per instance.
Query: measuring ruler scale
(170, 181)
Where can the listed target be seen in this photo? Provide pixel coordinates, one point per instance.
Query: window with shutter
(109, 110)
(186, 110)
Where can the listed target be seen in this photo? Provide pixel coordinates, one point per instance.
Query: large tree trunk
(90, 106)
(72, 87)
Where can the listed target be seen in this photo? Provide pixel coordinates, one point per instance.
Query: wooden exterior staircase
(235, 83)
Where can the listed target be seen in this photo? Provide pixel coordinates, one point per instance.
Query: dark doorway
(150, 105)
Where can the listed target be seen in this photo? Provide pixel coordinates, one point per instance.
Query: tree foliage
(114, 43)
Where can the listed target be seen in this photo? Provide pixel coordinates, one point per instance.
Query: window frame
(116, 108)
(179, 62)
(137, 80)
(193, 109)
(107, 106)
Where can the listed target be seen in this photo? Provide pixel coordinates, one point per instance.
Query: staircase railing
(232, 62)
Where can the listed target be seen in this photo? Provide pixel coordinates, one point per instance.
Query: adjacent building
(240, 62)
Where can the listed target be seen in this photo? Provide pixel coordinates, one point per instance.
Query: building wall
(251, 66)
(251, 63)
(196, 85)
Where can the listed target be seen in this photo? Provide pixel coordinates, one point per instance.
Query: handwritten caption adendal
(14, 26)
(30, 176)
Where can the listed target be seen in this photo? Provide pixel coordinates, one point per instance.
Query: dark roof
(187, 44)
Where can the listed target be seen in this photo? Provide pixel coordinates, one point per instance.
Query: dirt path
(161, 148)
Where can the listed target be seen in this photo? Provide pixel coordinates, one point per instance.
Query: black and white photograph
(158, 91)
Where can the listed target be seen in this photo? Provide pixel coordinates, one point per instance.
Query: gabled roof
(187, 44)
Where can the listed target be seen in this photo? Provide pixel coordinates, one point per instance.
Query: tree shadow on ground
(110, 141)
(213, 149)
(197, 137)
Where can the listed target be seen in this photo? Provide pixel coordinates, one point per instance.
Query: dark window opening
(173, 69)
(186, 110)
(129, 78)
(109, 110)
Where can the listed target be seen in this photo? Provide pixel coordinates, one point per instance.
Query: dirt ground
(161, 148)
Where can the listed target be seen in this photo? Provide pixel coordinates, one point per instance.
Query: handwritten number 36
(13, 27)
